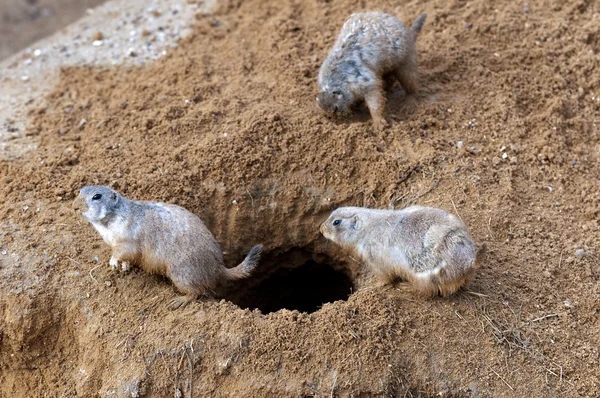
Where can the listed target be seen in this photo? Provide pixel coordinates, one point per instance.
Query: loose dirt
(504, 133)
(26, 21)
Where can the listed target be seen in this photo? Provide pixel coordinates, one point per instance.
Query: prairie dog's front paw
(380, 123)
(125, 266)
(114, 263)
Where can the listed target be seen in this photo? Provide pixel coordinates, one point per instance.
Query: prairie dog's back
(169, 232)
(375, 35)
(424, 245)
(416, 236)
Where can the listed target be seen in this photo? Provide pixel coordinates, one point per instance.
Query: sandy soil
(503, 133)
(27, 21)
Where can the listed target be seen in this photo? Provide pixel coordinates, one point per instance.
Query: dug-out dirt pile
(503, 133)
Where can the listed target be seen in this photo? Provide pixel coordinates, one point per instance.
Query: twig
(560, 259)
(509, 386)
(334, 383)
(489, 227)
(456, 210)
(92, 276)
(181, 360)
(191, 381)
(353, 259)
(476, 294)
(433, 186)
(251, 198)
(408, 174)
(122, 341)
(544, 317)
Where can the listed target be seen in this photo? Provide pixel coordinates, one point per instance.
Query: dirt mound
(504, 133)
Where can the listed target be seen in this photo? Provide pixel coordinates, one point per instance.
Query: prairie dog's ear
(114, 196)
(355, 221)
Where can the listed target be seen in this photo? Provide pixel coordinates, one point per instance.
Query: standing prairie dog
(163, 239)
(371, 45)
(428, 247)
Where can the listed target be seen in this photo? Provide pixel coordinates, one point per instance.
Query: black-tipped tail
(418, 24)
(247, 266)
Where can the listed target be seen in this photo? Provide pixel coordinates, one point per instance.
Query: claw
(125, 266)
(180, 302)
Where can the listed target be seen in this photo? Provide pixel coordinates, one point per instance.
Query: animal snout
(322, 228)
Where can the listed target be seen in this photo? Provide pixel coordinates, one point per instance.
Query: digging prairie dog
(370, 46)
(428, 247)
(163, 239)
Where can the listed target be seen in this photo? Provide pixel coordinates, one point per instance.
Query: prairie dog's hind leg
(182, 282)
(407, 75)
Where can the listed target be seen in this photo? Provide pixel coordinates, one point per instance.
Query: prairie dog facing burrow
(163, 239)
(371, 45)
(426, 246)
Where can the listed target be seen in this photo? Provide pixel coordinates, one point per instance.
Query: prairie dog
(163, 239)
(428, 247)
(369, 46)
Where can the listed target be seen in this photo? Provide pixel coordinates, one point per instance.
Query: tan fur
(372, 50)
(162, 239)
(427, 247)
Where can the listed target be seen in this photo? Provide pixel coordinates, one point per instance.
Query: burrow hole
(297, 279)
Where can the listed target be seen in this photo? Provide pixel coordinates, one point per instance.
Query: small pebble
(579, 252)
(234, 202)
(504, 155)
(513, 160)
(97, 43)
(567, 304)
(549, 188)
(108, 283)
(37, 52)
(4, 252)
(459, 144)
(97, 36)
(547, 274)
(96, 260)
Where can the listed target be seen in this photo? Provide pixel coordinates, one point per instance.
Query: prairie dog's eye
(337, 222)
(97, 196)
